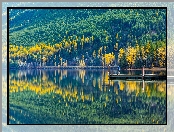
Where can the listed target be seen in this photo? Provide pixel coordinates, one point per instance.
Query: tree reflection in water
(83, 97)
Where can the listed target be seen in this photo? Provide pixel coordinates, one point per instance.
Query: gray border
(1, 72)
(139, 1)
(94, 128)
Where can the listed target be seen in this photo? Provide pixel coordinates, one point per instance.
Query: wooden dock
(142, 76)
(137, 77)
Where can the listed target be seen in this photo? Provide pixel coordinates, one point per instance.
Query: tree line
(70, 53)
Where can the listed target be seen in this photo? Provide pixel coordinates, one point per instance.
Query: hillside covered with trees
(87, 37)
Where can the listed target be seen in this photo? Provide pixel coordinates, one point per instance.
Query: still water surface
(83, 97)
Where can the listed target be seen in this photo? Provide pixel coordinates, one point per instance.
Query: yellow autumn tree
(108, 58)
(161, 53)
(130, 55)
(120, 55)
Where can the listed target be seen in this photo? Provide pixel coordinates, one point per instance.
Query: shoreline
(87, 67)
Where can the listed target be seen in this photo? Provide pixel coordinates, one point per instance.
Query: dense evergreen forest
(130, 38)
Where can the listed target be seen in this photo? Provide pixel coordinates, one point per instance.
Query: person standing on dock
(118, 70)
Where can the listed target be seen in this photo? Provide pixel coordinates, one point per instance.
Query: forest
(130, 38)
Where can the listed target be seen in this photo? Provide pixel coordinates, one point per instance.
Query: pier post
(143, 72)
(143, 86)
(109, 70)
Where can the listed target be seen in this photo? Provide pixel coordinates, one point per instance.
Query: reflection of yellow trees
(64, 73)
(105, 79)
(44, 77)
(122, 85)
(70, 92)
(116, 89)
(94, 82)
(67, 93)
(18, 86)
(99, 83)
(82, 74)
(162, 87)
(135, 86)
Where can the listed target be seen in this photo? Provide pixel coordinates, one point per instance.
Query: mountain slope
(81, 31)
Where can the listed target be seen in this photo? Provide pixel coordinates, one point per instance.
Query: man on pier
(118, 70)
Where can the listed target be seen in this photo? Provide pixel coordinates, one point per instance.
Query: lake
(83, 97)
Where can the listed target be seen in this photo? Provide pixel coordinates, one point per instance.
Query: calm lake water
(83, 97)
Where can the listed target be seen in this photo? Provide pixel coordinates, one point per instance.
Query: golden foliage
(131, 55)
(108, 58)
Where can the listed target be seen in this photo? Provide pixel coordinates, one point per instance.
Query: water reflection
(84, 97)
